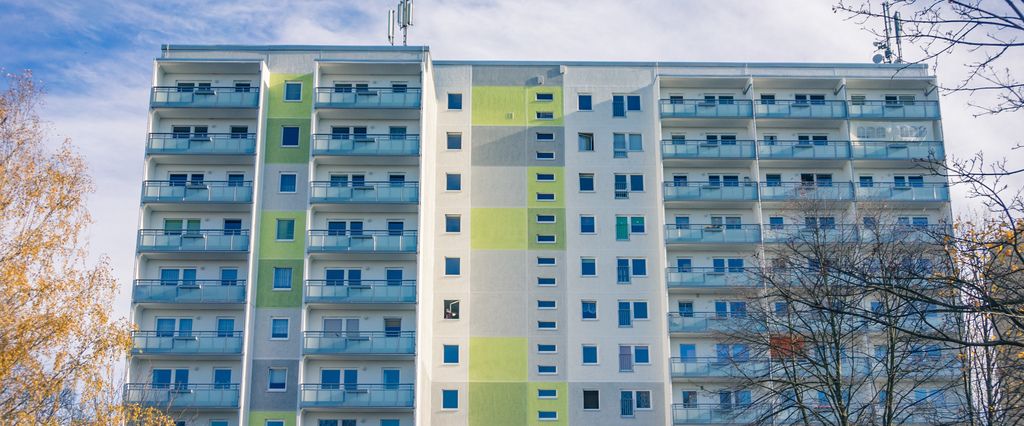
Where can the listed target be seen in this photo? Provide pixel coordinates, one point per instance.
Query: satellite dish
(878, 58)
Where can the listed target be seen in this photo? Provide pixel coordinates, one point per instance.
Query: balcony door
(330, 379)
(221, 378)
(390, 378)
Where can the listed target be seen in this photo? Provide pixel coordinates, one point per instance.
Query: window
(634, 400)
(546, 349)
(277, 379)
(628, 225)
(898, 100)
(451, 354)
(547, 393)
(627, 268)
(293, 91)
(585, 102)
(454, 101)
(267, 423)
(289, 136)
(545, 137)
(546, 281)
(547, 416)
(285, 229)
(588, 309)
(282, 278)
(454, 141)
(547, 369)
(623, 143)
(591, 399)
(586, 142)
(545, 218)
(547, 304)
(587, 225)
(543, 196)
(547, 325)
(586, 182)
(452, 266)
(857, 99)
(450, 397)
(453, 182)
(866, 181)
(545, 97)
(588, 267)
(589, 355)
(287, 183)
(767, 99)
(451, 309)
(545, 155)
(279, 328)
(545, 261)
(624, 184)
(545, 115)
(623, 103)
(545, 239)
(633, 103)
(630, 311)
(452, 223)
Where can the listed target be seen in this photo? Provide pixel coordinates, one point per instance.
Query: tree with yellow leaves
(59, 345)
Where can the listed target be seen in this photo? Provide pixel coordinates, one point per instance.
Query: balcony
(804, 150)
(371, 97)
(360, 291)
(817, 109)
(707, 278)
(926, 110)
(903, 192)
(718, 367)
(353, 395)
(793, 191)
(204, 97)
(364, 192)
(700, 108)
(323, 240)
(703, 414)
(698, 149)
(701, 322)
(712, 234)
(359, 342)
(776, 233)
(192, 291)
(366, 145)
(201, 143)
(183, 395)
(198, 240)
(710, 191)
(898, 150)
(187, 342)
(166, 191)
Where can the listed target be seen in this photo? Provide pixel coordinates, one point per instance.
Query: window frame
(280, 183)
(449, 97)
(284, 94)
(287, 328)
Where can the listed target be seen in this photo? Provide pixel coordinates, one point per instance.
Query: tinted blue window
(545, 177)
(590, 354)
(639, 267)
(547, 393)
(545, 281)
(455, 141)
(547, 325)
(285, 229)
(545, 136)
(287, 183)
(545, 115)
(589, 310)
(545, 261)
(587, 224)
(642, 354)
(547, 415)
(279, 328)
(454, 101)
(546, 348)
(618, 106)
(640, 310)
(547, 369)
(449, 399)
(452, 266)
(546, 239)
(588, 267)
(282, 278)
(633, 103)
(545, 197)
(546, 304)
(453, 182)
(586, 103)
(545, 97)
(452, 224)
(545, 218)
(586, 182)
(389, 422)
(289, 136)
(293, 91)
(451, 354)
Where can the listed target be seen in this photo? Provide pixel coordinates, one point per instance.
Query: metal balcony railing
(369, 97)
(731, 149)
(706, 233)
(786, 191)
(903, 192)
(702, 322)
(204, 97)
(201, 143)
(709, 277)
(189, 291)
(700, 108)
(209, 240)
(804, 150)
(356, 395)
(710, 191)
(894, 110)
(898, 150)
(183, 395)
(207, 191)
(702, 414)
(323, 240)
(359, 342)
(186, 342)
(833, 109)
(364, 192)
(360, 291)
(718, 367)
(366, 144)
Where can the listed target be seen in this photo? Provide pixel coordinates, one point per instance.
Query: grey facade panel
(506, 75)
(261, 398)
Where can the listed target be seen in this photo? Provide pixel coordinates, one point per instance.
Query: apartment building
(355, 235)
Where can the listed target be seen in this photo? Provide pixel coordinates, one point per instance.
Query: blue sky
(95, 60)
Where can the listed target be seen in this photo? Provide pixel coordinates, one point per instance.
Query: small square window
(547, 369)
(289, 136)
(452, 266)
(588, 267)
(545, 155)
(591, 400)
(588, 309)
(545, 137)
(585, 102)
(545, 97)
(277, 379)
(286, 229)
(454, 101)
(454, 141)
(586, 142)
(633, 103)
(453, 182)
(587, 225)
(546, 349)
(279, 328)
(589, 355)
(293, 91)
(451, 354)
(586, 182)
(545, 115)
(545, 261)
(451, 309)
(546, 281)
(282, 278)
(287, 183)
(450, 397)
(452, 223)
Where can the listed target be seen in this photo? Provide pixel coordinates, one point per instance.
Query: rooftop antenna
(401, 16)
(893, 29)
(898, 30)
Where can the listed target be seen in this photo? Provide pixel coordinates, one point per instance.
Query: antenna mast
(401, 16)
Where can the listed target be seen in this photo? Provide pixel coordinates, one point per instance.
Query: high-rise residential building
(364, 236)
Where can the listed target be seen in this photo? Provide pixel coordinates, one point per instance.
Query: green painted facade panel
(267, 296)
(498, 403)
(498, 228)
(515, 106)
(270, 247)
(559, 404)
(557, 187)
(557, 229)
(278, 108)
(497, 359)
(275, 153)
(259, 418)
